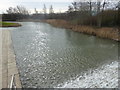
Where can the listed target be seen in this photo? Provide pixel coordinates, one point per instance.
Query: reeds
(104, 32)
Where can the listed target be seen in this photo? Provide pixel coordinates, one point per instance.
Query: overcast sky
(58, 5)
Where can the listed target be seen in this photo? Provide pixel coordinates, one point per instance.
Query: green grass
(9, 24)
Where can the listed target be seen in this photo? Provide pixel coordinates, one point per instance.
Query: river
(48, 56)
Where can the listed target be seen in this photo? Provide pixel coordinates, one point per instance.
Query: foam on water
(103, 77)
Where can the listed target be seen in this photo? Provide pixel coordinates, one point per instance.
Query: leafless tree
(22, 10)
(100, 8)
(98, 11)
(118, 14)
(83, 6)
(70, 9)
(10, 10)
(51, 11)
(18, 10)
(44, 10)
(36, 12)
(75, 5)
(90, 7)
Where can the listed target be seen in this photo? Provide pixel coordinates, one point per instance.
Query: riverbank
(8, 65)
(9, 24)
(104, 32)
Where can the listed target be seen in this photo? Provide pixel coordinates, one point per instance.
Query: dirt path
(8, 63)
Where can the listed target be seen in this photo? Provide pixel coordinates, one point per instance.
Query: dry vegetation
(104, 32)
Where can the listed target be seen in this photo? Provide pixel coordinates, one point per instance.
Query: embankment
(8, 62)
(104, 32)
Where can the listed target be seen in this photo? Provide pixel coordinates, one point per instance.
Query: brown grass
(104, 32)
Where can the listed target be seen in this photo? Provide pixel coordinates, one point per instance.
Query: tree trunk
(99, 21)
(118, 14)
(98, 16)
(90, 11)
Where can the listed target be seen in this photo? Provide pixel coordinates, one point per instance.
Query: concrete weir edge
(8, 63)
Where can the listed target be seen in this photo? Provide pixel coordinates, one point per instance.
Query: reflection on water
(48, 56)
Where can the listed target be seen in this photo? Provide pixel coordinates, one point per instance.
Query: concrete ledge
(0, 59)
(8, 62)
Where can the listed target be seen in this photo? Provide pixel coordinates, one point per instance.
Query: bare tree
(83, 6)
(36, 12)
(44, 10)
(18, 10)
(22, 10)
(100, 8)
(98, 11)
(10, 10)
(90, 7)
(51, 11)
(118, 14)
(70, 9)
(75, 5)
(87, 9)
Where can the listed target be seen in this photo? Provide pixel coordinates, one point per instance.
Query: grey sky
(58, 5)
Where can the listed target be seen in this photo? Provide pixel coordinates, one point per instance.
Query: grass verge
(9, 24)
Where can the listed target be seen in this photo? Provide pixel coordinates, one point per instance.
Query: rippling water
(49, 56)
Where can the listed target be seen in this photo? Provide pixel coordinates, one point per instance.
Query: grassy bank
(104, 32)
(9, 24)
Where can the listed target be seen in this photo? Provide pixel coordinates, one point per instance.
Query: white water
(103, 77)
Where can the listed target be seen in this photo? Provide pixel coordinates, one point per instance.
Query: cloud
(31, 4)
(37, 1)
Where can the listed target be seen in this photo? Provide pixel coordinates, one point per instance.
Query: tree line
(15, 13)
(20, 12)
(99, 13)
(88, 12)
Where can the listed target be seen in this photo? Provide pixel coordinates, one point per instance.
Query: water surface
(49, 56)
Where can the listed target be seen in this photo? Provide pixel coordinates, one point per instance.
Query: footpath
(8, 65)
